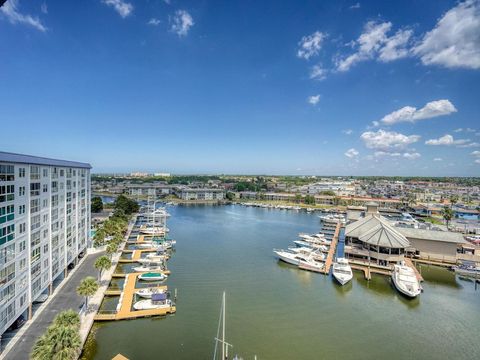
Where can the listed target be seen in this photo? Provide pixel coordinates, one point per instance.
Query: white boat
(342, 272)
(153, 230)
(144, 245)
(405, 281)
(311, 264)
(152, 276)
(148, 268)
(468, 270)
(154, 260)
(160, 302)
(295, 255)
(311, 245)
(148, 292)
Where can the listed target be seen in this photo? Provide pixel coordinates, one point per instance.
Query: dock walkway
(126, 304)
(409, 263)
(332, 250)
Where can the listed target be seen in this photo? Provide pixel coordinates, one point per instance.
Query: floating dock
(332, 250)
(409, 263)
(125, 308)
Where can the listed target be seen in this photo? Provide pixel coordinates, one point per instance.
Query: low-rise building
(201, 194)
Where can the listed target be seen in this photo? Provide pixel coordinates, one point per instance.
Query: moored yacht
(148, 292)
(405, 280)
(148, 268)
(157, 301)
(342, 272)
(152, 276)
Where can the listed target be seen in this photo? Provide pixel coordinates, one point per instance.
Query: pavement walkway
(64, 297)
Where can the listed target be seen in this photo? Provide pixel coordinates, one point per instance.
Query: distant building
(44, 226)
(162, 174)
(201, 194)
(149, 189)
(372, 237)
(139, 174)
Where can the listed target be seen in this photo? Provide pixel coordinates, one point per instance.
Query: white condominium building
(44, 227)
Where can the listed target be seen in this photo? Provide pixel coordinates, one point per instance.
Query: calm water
(275, 311)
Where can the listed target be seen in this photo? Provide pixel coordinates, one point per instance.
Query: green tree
(97, 204)
(112, 248)
(230, 196)
(67, 318)
(61, 341)
(453, 199)
(88, 287)
(99, 237)
(310, 200)
(298, 198)
(447, 214)
(101, 264)
(127, 205)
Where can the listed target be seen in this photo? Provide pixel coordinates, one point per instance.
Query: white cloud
(475, 153)
(10, 10)
(374, 42)
(355, 6)
(470, 130)
(387, 140)
(437, 159)
(314, 99)
(384, 153)
(182, 21)
(347, 131)
(351, 153)
(310, 45)
(446, 140)
(477, 161)
(469, 145)
(411, 155)
(458, 130)
(455, 40)
(411, 114)
(154, 22)
(396, 46)
(122, 7)
(318, 73)
(44, 8)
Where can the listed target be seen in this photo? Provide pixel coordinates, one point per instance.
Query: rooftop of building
(8, 157)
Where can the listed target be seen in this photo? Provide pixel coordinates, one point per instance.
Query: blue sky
(270, 87)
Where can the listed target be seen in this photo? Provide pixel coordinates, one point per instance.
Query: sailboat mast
(223, 328)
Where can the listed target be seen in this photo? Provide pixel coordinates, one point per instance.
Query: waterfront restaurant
(373, 239)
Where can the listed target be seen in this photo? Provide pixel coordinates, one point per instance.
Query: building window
(21, 191)
(7, 193)
(7, 173)
(34, 206)
(44, 188)
(34, 189)
(21, 209)
(34, 172)
(45, 172)
(21, 172)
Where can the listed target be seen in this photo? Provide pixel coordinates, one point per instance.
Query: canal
(276, 311)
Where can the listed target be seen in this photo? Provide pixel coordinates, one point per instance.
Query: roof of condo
(37, 160)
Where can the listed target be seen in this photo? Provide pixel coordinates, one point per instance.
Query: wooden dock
(409, 263)
(369, 270)
(126, 304)
(332, 250)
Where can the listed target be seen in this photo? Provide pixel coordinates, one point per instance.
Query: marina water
(276, 311)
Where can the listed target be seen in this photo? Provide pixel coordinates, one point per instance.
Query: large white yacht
(295, 255)
(157, 301)
(342, 272)
(405, 281)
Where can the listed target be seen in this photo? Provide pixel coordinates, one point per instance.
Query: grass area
(433, 220)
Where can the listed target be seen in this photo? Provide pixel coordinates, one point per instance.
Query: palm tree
(447, 214)
(61, 341)
(99, 237)
(88, 287)
(67, 318)
(111, 249)
(102, 263)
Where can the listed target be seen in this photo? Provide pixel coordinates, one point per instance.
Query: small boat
(148, 292)
(148, 268)
(295, 255)
(153, 260)
(467, 270)
(342, 272)
(311, 245)
(144, 245)
(405, 281)
(311, 264)
(152, 276)
(158, 301)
